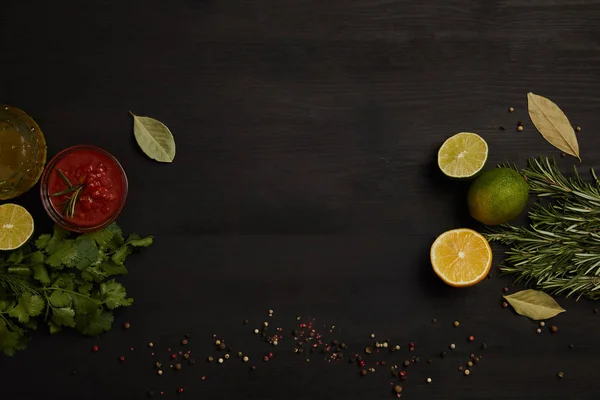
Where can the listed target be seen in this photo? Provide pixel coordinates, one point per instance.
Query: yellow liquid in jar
(22, 152)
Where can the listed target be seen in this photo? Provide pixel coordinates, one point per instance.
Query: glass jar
(22, 152)
(84, 188)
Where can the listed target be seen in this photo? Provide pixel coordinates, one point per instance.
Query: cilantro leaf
(84, 305)
(15, 257)
(117, 237)
(111, 268)
(64, 254)
(57, 238)
(101, 237)
(41, 274)
(43, 240)
(93, 274)
(121, 254)
(114, 295)
(54, 328)
(65, 281)
(136, 240)
(95, 324)
(11, 339)
(36, 258)
(30, 305)
(63, 316)
(58, 298)
(87, 252)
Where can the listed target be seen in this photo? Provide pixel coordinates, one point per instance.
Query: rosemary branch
(560, 251)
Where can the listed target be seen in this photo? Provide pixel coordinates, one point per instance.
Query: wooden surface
(305, 182)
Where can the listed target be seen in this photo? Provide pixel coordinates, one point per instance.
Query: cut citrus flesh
(463, 155)
(461, 257)
(16, 226)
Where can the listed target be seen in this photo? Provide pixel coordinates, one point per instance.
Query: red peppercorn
(173, 356)
(362, 363)
(411, 344)
(504, 304)
(95, 348)
(471, 338)
(270, 355)
(122, 359)
(180, 390)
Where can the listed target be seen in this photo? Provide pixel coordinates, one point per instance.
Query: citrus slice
(463, 155)
(16, 226)
(461, 257)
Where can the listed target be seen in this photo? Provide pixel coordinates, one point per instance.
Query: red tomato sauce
(102, 181)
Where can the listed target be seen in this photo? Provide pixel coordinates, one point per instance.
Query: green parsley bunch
(64, 281)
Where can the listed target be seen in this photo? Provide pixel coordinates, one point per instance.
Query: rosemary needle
(560, 251)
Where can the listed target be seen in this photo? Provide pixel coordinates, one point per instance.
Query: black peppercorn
(222, 346)
(363, 372)
(443, 354)
(406, 363)
(177, 366)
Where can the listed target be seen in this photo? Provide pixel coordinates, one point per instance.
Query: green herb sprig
(560, 251)
(69, 204)
(64, 281)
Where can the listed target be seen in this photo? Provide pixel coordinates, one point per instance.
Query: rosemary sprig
(69, 204)
(560, 251)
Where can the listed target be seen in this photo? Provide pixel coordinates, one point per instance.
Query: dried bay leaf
(553, 124)
(534, 304)
(154, 138)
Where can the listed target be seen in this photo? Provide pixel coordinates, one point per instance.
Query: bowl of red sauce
(84, 188)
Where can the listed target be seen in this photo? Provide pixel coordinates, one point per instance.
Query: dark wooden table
(305, 182)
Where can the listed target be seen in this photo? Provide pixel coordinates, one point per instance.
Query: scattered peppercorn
(560, 375)
(121, 359)
(363, 372)
(520, 128)
(406, 363)
(443, 354)
(150, 344)
(428, 380)
(159, 372)
(180, 390)
(553, 329)
(542, 324)
(398, 389)
(456, 324)
(368, 349)
(505, 289)
(470, 363)
(265, 324)
(460, 367)
(510, 109)
(471, 338)
(504, 304)
(173, 356)
(184, 342)
(245, 359)
(433, 321)
(256, 331)
(372, 335)
(95, 348)
(222, 346)
(266, 358)
(177, 366)
(538, 330)
(126, 325)
(452, 346)
(210, 358)
(571, 346)
(186, 356)
(227, 356)
(220, 361)
(578, 128)
(467, 372)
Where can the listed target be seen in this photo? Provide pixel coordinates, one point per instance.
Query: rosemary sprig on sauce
(560, 251)
(69, 204)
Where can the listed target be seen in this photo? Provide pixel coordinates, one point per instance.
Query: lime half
(463, 155)
(16, 226)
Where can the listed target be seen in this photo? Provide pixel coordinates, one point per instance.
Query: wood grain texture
(305, 181)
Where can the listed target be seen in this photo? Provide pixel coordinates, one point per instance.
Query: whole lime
(497, 196)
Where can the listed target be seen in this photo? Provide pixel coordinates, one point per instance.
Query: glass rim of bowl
(49, 207)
